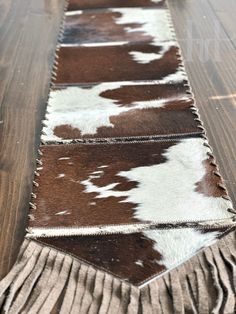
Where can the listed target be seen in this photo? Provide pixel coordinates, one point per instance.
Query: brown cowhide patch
(117, 26)
(209, 185)
(119, 110)
(112, 184)
(116, 63)
(137, 257)
(95, 4)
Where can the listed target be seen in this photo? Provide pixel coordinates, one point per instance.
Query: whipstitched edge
(139, 139)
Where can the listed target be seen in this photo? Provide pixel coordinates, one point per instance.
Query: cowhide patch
(118, 25)
(118, 110)
(117, 63)
(113, 184)
(138, 257)
(95, 4)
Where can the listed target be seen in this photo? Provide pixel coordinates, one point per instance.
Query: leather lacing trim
(127, 228)
(138, 139)
(165, 225)
(197, 118)
(125, 139)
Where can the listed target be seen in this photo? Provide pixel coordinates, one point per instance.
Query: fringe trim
(44, 279)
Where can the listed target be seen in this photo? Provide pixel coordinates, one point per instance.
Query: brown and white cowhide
(118, 110)
(118, 26)
(114, 184)
(95, 4)
(139, 257)
(117, 63)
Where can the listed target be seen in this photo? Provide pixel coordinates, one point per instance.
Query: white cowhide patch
(177, 245)
(144, 57)
(167, 191)
(177, 77)
(86, 110)
(154, 23)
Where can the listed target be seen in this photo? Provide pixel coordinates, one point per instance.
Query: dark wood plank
(28, 31)
(212, 75)
(28, 37)
(225, 11)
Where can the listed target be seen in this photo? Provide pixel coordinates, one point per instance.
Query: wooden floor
(206, 30)
(28, 33)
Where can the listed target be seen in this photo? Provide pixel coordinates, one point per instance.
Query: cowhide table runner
(126, 187)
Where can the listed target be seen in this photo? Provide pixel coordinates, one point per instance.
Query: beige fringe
(44, 280)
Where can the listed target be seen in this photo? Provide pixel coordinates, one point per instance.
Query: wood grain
(28, 37)
(28, 33)
(210, 60)
(225, 12)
